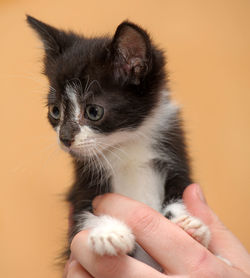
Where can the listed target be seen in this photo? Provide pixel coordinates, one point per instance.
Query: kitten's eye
(94, 112)
(54, 112)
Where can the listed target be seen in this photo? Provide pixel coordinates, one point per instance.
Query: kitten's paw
(195, 227)
(177, 213)
(111, 237)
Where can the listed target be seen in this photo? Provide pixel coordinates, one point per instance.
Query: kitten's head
(101, 89)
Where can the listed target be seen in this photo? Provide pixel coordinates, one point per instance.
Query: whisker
(103, 145)
(113, 147)
(112, 152)
(101, 172)
(93, 165)
(107, 161)
(86, 86)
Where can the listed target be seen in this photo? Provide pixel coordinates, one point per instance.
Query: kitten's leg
(108, 236)
(177, 213)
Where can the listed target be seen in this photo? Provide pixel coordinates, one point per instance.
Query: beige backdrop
(208, 47)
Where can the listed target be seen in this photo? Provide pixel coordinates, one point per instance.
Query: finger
(223, 242)
(65, 271)
(159, 237)
(66, 267)
(75, 270)
(109, 266)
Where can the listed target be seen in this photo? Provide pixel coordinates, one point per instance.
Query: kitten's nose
(67, 132)
(66, 142)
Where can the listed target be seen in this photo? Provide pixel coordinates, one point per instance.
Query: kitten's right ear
(54, 41)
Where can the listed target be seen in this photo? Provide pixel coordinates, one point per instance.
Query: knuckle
(144, 219)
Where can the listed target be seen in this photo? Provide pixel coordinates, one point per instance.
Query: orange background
(208, 48)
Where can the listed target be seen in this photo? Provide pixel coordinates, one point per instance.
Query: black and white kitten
(111, 110)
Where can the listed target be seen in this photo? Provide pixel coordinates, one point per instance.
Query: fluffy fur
(111, 109)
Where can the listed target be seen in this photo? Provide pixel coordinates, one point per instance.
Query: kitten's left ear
(131, 49)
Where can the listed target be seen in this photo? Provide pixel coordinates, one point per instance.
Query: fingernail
(96, 202)
(200, 194)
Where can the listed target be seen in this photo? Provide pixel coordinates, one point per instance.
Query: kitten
(111, 110)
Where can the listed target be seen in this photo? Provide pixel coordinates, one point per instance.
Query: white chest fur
(133, 174)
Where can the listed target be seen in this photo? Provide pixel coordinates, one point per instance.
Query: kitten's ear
(54, 41)
(131, 49)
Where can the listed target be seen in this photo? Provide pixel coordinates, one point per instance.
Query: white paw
(111, 237)
(195, 227)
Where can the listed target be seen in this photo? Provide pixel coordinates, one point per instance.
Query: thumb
(197, 205)
(223, 242)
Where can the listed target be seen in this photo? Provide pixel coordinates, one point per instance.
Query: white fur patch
(71, 93)
(85, 140)
(108, 236)
(133, 175)
(176, 209)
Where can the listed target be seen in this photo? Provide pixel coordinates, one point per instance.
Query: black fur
(128, 74)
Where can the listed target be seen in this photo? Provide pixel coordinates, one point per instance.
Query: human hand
(178, 253)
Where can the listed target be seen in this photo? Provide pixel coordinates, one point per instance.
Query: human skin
(175, 250)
